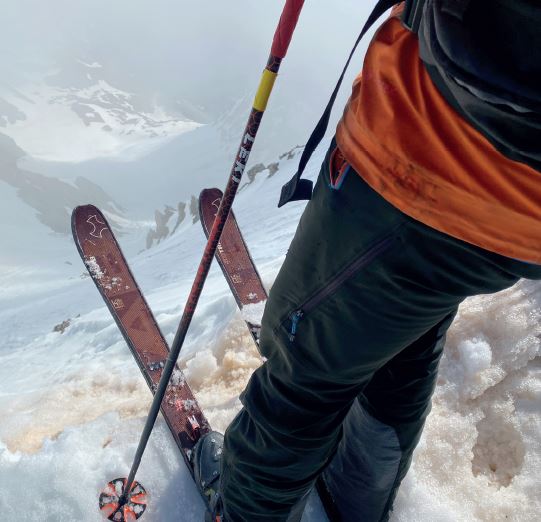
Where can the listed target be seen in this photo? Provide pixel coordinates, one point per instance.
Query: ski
(236, 262)
(110, 272)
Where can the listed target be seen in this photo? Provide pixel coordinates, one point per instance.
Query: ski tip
(210, 193)
(130, 510)
(209, 202)
(82, 210)
(81, 214)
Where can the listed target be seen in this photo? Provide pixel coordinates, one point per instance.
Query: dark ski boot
(206, 459)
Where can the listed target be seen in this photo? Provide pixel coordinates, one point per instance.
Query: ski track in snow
(73, 404)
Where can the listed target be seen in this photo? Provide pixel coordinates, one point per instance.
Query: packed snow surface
(73, 402)
(253, 313)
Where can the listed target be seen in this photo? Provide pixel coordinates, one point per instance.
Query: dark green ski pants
(355, 324)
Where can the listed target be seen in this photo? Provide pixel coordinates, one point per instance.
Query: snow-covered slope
(73, 404)
(73, 114)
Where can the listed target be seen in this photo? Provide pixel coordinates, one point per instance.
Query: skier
(428, 194)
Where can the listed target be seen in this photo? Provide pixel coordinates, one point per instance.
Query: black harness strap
(300, 189)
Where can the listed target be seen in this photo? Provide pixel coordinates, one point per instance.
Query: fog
(201, 54)
(138, 105)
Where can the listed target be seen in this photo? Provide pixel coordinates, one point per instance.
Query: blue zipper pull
(295, 318)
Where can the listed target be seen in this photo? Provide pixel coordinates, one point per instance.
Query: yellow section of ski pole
(264, 90)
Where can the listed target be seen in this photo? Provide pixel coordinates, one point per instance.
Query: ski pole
(281, 41)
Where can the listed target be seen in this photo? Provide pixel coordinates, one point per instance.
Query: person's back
(453, 139)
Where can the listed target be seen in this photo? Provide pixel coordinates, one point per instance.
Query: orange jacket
(410, 146)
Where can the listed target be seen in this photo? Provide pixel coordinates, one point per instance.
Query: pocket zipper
(338, 280)
(295, 318)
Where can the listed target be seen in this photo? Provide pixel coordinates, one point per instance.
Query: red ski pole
(280, 44)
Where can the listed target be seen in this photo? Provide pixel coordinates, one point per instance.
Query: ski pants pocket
(336, 281)
(342, 233)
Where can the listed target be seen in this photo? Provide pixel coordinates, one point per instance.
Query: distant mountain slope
(169, 174)
(48, 198)
(74, 114)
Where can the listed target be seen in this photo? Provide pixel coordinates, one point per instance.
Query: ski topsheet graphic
(236, 263)
(115, 282)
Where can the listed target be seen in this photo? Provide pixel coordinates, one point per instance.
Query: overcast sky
(203, 51)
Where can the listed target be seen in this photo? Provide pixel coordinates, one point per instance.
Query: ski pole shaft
(281, 41)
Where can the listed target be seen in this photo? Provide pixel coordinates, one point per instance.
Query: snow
(73, 404)
(96, 121)
(480, 453)
(62, 483)
(253, 313)
(94, 267)
(94, 65)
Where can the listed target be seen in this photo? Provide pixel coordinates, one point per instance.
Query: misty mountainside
(153, 100)
(51, 199)
(71, 138)
(178, 168)
(74, 114)
(169, 218)
(173, 169)
(137, 108)
(167, 164)
(42, 204)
